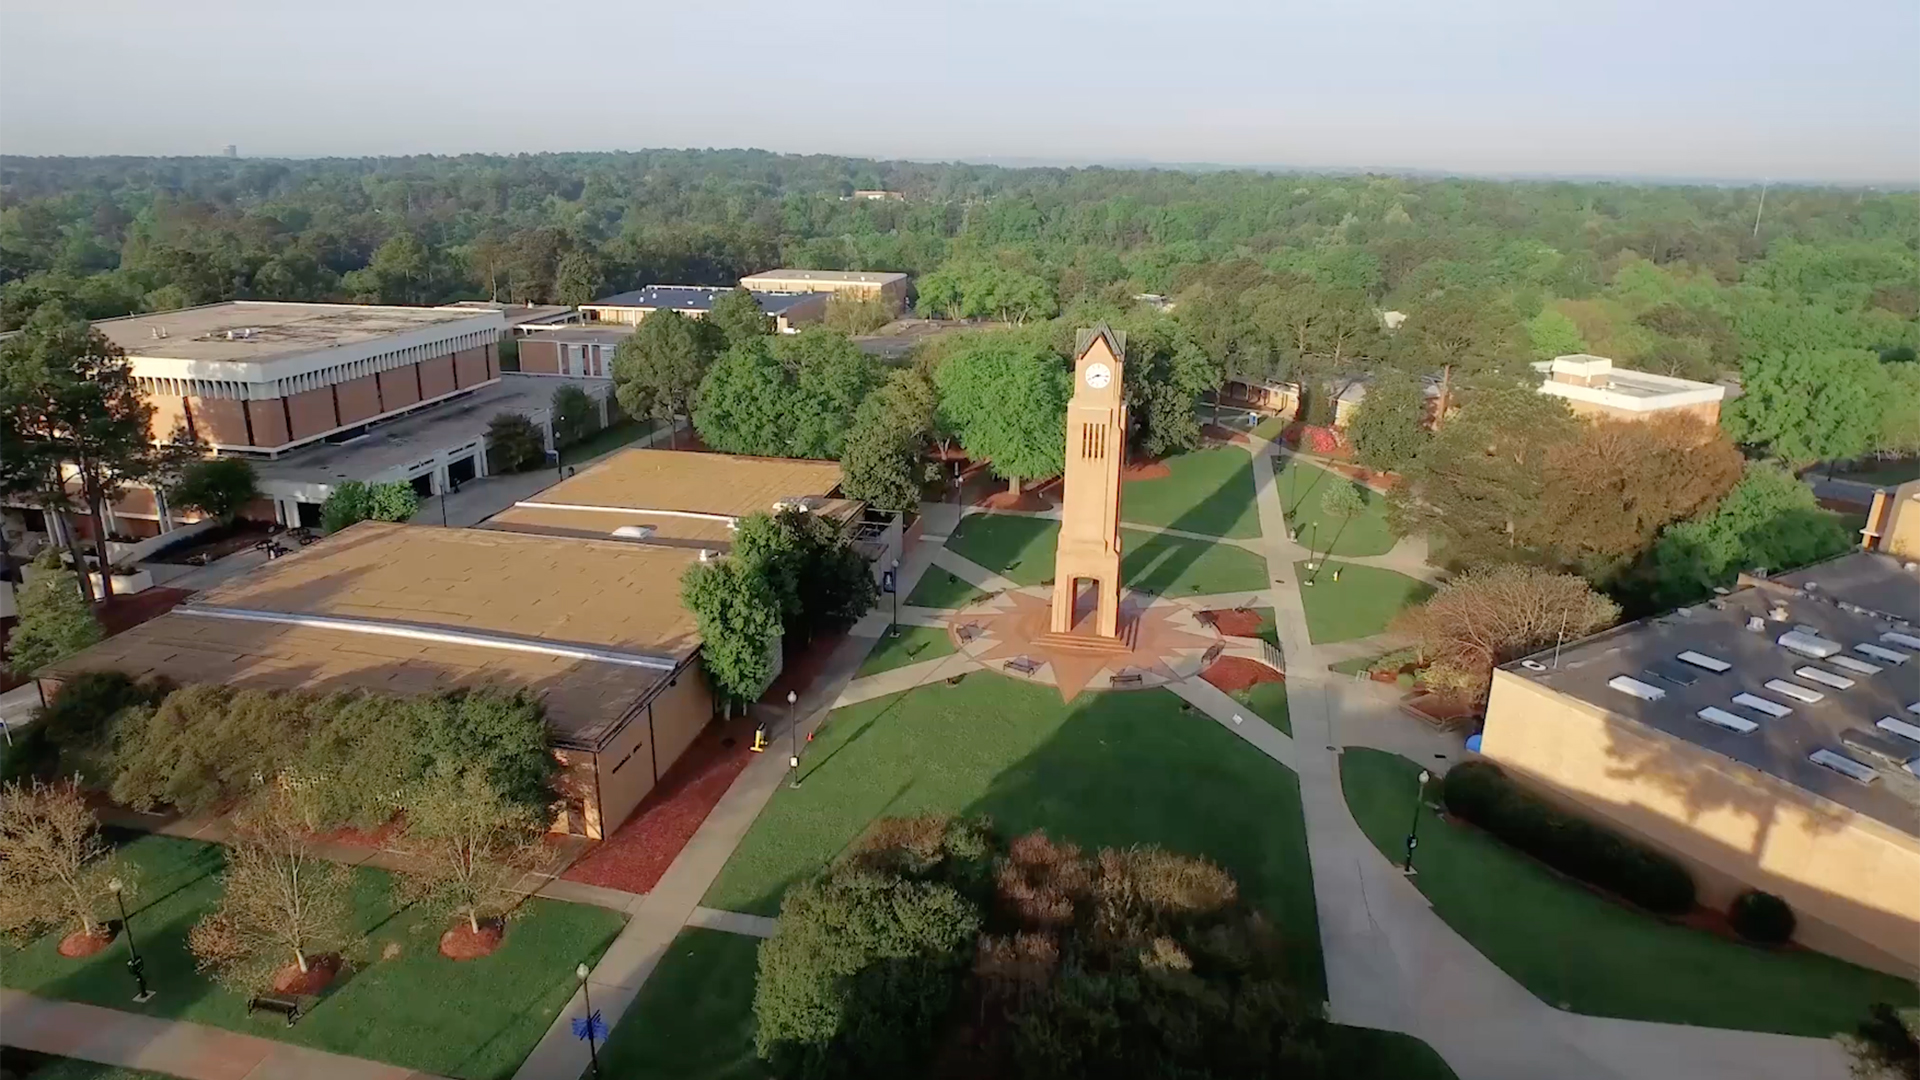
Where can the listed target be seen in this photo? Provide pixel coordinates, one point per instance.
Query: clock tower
(1088, 559)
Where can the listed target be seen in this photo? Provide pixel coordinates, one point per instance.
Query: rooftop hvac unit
(1628, 685)
(1766, 706)
(1756, 624)
(1721, 718)
(1808, 644)
(1894, 637)
(1886, 750)
(1824, 678)
(633, 532)
(1895, 726)
(1702, 660)
(1858, 667)
(1891, 656)
(1802, 694)
(1844, 765)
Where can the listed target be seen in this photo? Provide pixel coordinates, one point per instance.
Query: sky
(1695, 89)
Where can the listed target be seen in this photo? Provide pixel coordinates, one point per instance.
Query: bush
(353, 502)
(55, 619)
(516, 444)
(1761, 917)
(219, 487)
(79, 720)
(1478, 792)
(575, 416)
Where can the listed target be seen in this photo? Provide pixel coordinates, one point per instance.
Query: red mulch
(1234, 622)
(1842, 506)
(1145, 469)
(1444, 708)
(461, 943)
(80, 943)
(375, 838)
(1216, 433)
(1230, 673)
(641, 849)
(320, 972)
(1028, 499)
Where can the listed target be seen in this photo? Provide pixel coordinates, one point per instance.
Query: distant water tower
(231, 151)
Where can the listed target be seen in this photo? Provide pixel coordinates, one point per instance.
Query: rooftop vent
(1626, 684)
(1893, 637)
(1801, 694)
(1896, 726)
(1824, 678)
(1858, 667)
(634, 532)
(1844, 765)
(1722, 718)
(1808, 644)
(1778, 613)
(1756, 624)
(1762, 705)
(1702, 660)
(1533, 665)
(1891, 656)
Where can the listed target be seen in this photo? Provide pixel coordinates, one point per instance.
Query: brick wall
(470, 367)
(539, 357)
(436, 376)
(359, 398)
(220, 420)
(269, 422)
(312, 412)
(169, 415)
(400, 387)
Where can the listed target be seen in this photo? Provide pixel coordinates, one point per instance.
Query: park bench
(1025, 665)
(968, 633)
(285, 1006)
(1131, 678)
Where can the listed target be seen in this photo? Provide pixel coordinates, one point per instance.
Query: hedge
(1761, 917)
(1480, 793)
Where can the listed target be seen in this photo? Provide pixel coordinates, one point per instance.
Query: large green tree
(886, 448)
(55, 619)
(1769, 521)
(738, 316)
(1805, 407)
(1390, 425)
(657, 371)
(739, 619)
(219, 487)
(786, 396)
(1005, 397)
(1166, 372)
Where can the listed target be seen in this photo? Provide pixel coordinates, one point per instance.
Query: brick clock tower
(1089, 552)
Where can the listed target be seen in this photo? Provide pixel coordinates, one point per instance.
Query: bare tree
(54, 864)
(283, 904)
(1488, 616)
(469, 845)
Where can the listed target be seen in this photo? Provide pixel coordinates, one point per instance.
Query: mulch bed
(1145, 469)
(461, 943)
(80, 943)
(320, 972)
(216, 543)
(1231, 673)
(1028, 499)
(376, 839)
(1219, 434)
(1234, 622)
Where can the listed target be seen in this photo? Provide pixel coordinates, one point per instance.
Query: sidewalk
(176, 1047)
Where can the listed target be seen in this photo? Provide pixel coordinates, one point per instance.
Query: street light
(893, 590)
(586, 996)
(793, 738)
(1413, 830)
(134, 964)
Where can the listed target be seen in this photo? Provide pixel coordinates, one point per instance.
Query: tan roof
(634, 487)
(857, 277)
(257, 330)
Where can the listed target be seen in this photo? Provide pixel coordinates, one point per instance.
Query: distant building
(863, 284)
(584, 351)
(878, 195)
(1592, 386)
(524, 318)
(230, 151)
(1769, 739)
(1893, 522)
(1278, 398)
(789, 310)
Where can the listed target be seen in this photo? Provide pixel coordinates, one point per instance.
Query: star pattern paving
(1155, 638)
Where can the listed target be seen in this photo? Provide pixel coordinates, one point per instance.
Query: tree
(399, 273)
(1490, 615)
(739, 619)
(354, 501)
(1477, 334)
(499, 734)
(737, 314)
(1900, 426)
(1166, 374)
(282, 905)
(858, 314)
(888, 441)
(1610, 491)
(576, 278)
(467, 846)
(969, 289)
(788, 396)
(55, 619)
(1886, 1045)
(54, 864)
(1810, 406)
(1551, 333)
(515, 442)
(1343, 499)
(819, 582)
(1769, 521)
(219, 487)
(575, 415)
(658, 371)
(1006, 399)
(1390, 425)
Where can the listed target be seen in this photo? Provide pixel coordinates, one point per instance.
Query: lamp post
(586, 996)
(1413, 829)
(793, 738)
(893, 590)
(135, 964)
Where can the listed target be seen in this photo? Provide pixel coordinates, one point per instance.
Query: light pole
(793, 738)
(134, 964)
(1413, 829)
(893, 590)
(586, 996)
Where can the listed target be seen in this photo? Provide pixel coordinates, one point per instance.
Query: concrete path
(175, 1047)
(914, 615)
(1053, 514)
(904, 677)
(972, 572)
(734, 922)
(1237, 718)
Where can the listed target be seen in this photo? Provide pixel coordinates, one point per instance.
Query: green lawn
(1112, 769)
(1893, 471)
(1208, 491)
(607, 440)
(1268, 700)
(1362, 603)
(1021, 549)
(416, 1009)
(1581, 952)
(693, 1019)
(1301, 487)
(915, 644)
(1361, 1053)
(1270, 428)
(941, 588)
(27, 1065)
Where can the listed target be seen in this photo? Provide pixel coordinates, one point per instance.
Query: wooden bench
(1131, 678)
(285, 1006)
(1023, 665)
(968, 632)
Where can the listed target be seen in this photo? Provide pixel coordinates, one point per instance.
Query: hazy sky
(1694, 88)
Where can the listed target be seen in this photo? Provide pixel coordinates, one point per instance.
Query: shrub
(353, 501)
(219, 487)
(515, 442)
(1478, 792)
(79, 720)
(55, 619)
(1761, 917)
(575, 416)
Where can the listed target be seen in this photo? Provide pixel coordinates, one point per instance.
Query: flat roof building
(864, 284)
(604, 641)
(789, 310)
(584, 351)
(1767, 738)
(1591, 385)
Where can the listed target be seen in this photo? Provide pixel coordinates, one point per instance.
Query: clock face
(1098, 376)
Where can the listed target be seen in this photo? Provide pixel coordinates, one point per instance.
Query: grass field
(1268, 700)
(607, 440)
(693, 1019)
(472, 1020)
(1208, 491)
(1582, 952)
(1362, 603)
(1892, 471)
(1113, 769)
(915, 644)
(941, 588)
(1301, 487)
(1021, 549)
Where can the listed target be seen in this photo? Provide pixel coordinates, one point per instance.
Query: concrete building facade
(860, 284)
(582, 352)
(1592, 386)
(1893, 522)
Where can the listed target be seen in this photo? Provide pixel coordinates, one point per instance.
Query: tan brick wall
(679, 714)
(436, 376)
(493, 360)
(259, 510)
(1853, 882)
(470, 367)
(269, 422)
(312, 412)
(399, 388)
(539, 357)
(169, 416)
(1708, 411)
(219, 420)
(137, 500)
(359, 398)
(138, 528)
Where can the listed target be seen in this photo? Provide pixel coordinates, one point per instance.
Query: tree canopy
(1006, 398)
(787, 396)
(658, 371)
(738, 317)
(1388, 428)
(219, 487)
